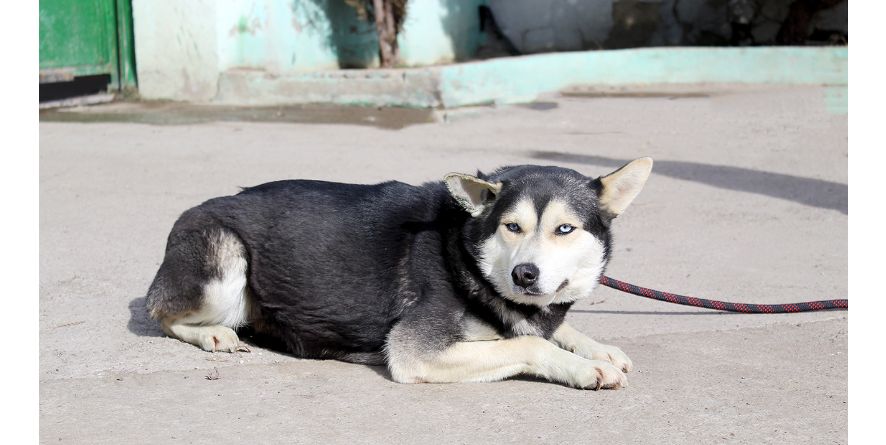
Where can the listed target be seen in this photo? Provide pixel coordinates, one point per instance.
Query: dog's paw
(615, 356)
(221, 339)
(611, 354)
(599, 374)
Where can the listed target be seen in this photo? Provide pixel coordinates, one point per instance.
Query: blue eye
(513, 227)
(564, 229)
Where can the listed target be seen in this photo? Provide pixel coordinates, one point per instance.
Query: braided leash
(747, 308)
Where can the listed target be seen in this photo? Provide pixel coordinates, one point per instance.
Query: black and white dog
(464, 280)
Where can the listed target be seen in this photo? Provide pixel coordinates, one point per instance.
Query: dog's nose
(525, 274)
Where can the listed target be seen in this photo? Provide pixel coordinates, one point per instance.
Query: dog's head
(541, 234)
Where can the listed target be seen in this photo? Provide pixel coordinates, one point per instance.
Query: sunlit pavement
(747, 202)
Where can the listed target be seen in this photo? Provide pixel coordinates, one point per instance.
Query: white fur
(225, 300)
(574, 341)
(212, 338)
(487, 361)
(225, 305)
(577, 257)
(475, 329)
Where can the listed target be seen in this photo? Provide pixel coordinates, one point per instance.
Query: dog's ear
(619, 188)
(472, 193)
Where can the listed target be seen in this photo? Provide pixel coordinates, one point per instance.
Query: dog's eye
(564, 229)
(513, 227)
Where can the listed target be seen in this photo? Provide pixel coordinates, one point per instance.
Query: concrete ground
(747, 202)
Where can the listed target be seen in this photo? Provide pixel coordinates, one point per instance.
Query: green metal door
(85, 38)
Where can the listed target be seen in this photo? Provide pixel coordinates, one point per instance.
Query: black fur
(334, 267)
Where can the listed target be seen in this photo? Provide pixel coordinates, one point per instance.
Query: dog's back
(323, 265)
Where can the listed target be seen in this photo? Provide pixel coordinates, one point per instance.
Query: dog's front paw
(616, 356)
(611, 354)
(599, 374)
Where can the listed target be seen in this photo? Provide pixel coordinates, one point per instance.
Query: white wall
(176, 53)
(182, 47)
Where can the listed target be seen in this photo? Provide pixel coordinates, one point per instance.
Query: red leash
(747, 308)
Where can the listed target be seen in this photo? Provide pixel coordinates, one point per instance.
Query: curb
(523, 79)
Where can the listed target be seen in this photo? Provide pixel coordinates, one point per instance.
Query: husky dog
(464, 280)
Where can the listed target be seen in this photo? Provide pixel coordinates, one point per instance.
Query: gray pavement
(747, 201)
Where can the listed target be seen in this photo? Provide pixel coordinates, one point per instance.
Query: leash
(747, 308)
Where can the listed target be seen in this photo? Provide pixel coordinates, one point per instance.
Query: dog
(468, 279)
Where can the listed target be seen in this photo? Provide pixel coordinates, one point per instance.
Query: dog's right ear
(472, 193)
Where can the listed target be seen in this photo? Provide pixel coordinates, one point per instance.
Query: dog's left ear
(472, 193)
(619, 188)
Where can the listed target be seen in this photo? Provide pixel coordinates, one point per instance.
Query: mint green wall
(522, 79)
(440, 31)
(295, 35)
(184, 47)
(309, 35)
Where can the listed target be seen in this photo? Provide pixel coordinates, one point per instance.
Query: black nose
(525, 274)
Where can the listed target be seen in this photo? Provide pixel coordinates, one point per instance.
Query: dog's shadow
(139, 322)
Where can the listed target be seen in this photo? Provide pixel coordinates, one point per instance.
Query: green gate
(86, 38)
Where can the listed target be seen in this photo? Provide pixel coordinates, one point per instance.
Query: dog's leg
(200, 294)
(486, 361)
(213, 338)
(574, 341)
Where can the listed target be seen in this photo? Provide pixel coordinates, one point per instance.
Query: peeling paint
(245, 26)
